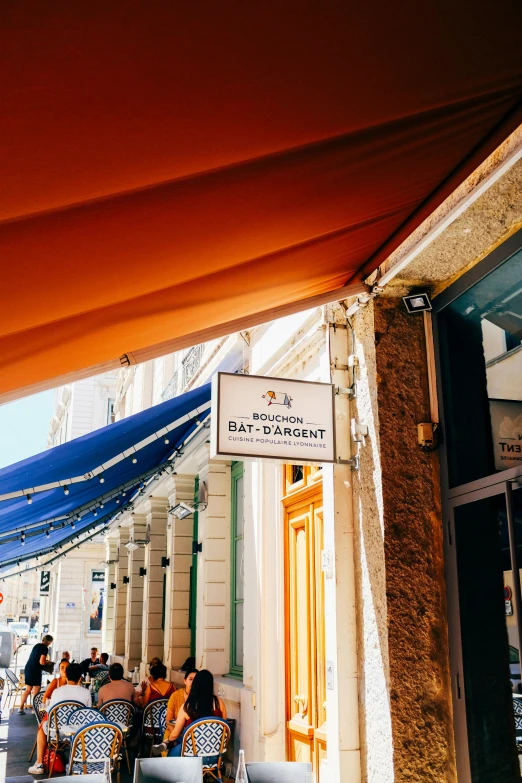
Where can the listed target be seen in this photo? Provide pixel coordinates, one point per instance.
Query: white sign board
(274, 418)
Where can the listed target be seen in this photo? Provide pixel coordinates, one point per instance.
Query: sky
(24, 426)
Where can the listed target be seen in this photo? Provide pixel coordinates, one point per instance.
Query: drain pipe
(342, 683)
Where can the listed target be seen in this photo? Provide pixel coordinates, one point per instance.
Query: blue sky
(24, 426)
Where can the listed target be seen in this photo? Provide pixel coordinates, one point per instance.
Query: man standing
(92, 661)
(72, 691)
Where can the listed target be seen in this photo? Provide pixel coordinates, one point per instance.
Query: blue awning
(51, 498)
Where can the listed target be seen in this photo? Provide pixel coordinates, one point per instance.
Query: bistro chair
(92, 745)
(84, 716)
(278, 771)
(14, 687)
(154, 722)
(122, 713)
(58, 718)
(39, 712)
(160, 770)
(208, 739)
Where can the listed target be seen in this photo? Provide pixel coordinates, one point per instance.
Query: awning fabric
(125, 455)
(170, 167)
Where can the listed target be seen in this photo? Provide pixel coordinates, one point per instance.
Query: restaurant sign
(254, 416)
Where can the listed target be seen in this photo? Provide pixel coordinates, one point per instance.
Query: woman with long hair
(200, 703)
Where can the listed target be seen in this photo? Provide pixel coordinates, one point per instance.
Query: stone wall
(420, 693)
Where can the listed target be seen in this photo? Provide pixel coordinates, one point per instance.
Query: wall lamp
(165, 561)
(143, 571)
(126, 580)
(113, 585)
(417, 303)
(183, 510)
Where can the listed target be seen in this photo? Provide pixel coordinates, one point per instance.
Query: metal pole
(515, 568)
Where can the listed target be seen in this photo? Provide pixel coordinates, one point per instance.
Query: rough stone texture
(420, 694)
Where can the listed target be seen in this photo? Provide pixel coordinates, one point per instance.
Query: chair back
(118, 711)
(39, 709)
(278, 771)
(166, 770)
(2, 684)
(12, 678)
(208, 739)
(92, 746)
(84, 716)
(154, 717)
(102, 678)
(58, 716)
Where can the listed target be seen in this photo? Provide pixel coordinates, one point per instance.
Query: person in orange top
(177, 700)
(58, 681)
(157, 687)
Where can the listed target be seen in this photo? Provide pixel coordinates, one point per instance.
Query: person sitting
(102, 666)
(117, 688)
(57, 682)
(177, 700)
(71, 691)
(92, 661)
(66, 656)
(36, 662)
(157, 687)
(200, 703)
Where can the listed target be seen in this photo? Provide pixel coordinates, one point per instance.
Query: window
(237, 571)
(111, 416)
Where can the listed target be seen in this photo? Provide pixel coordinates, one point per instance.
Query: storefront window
(480, 335)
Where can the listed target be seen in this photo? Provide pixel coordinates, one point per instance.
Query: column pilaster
(109, 612)
(135, 561)
(120, 604)
(179, 552)
(153, 582)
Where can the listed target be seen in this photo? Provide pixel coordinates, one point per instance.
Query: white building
(67, 613)
(21, 599)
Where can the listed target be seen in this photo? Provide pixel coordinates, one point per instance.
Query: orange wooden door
(304, 581)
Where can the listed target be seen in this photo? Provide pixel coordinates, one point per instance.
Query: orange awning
(168, 168)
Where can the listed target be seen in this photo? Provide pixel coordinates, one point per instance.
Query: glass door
(484, 547)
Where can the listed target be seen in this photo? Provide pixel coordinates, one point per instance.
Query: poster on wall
(96, 610)
(506, 425)
(275, 418)
(45, 581)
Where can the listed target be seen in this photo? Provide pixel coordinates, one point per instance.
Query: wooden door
(305, 661)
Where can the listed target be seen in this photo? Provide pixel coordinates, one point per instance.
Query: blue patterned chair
(120, 712)
(154, 722)
(57, 719)
(208, 739)
(517, 709)
(92, 745)
(39, 712)
(84, 716)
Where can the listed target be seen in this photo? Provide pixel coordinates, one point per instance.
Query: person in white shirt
(65, 656)
(72, 691)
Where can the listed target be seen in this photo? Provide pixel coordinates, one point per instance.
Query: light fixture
(143, 571)
(22, 539)
(126, 580)
(29, 499)
(95, 513)
(47, 533)
(181, 510)
(165, 561)
(117, 500)
(198, 421)
(123, 493)
(51, 526)
(131, 546)
(134, 460)
(417, 303)
(166, 441)
(102, 480)
(101, 504)
(66, 490)
(113, 585)
(72, 525)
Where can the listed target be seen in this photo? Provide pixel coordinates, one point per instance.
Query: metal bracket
(196, 547)
(354, 463)
(351, 391)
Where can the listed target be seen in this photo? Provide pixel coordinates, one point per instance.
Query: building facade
(329, 601)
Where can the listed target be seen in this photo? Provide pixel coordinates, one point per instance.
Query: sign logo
(45, 582)
(278, 398)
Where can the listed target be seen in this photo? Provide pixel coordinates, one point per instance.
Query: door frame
(493, 484)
